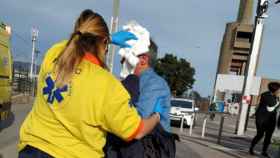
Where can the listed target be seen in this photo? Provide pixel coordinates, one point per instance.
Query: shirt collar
(147, 72)
(92, 58)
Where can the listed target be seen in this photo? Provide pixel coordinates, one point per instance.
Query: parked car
(182, 108)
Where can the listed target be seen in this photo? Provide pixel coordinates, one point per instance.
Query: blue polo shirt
(153, 86)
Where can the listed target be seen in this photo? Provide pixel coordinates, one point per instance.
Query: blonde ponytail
(88, 36)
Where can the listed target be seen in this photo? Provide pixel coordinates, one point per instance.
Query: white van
(182, 108)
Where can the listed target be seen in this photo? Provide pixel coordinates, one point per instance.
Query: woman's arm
(270, 102)
(148, 125)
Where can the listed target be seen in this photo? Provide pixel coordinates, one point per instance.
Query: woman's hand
(158, 108)
(121, 37)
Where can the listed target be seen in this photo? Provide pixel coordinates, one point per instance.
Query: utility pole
(35, 62)
(113, 28)
(34, 35)
(35, 77)
(253, 59)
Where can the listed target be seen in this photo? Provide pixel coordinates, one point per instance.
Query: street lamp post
(253, 59)
(34, 34)
(113, 28)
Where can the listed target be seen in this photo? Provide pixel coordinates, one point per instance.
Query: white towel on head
(141, 45)
(138, 47)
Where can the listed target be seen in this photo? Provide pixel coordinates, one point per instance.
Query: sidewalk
(232, 146)
(188, 148)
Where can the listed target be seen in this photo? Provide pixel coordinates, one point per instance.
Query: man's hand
(121, 37)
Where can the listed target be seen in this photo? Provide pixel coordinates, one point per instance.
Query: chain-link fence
(21, 82)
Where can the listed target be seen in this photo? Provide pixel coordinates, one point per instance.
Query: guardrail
(205, 118)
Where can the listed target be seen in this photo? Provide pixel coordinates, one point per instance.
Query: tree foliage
(177, 72)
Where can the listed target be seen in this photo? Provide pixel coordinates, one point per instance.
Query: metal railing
(205, 119)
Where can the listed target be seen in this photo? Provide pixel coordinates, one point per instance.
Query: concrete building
(236, 42)
(235, 47)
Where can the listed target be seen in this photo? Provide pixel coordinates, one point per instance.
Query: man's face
(142, 64)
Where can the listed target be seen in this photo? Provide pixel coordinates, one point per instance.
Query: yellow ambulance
(5, 71)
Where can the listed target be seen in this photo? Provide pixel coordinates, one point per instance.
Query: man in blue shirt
(152, 87)
(149, 93)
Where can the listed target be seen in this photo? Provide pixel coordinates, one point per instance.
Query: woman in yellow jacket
(78, 101)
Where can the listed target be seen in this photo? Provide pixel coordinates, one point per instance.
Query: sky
(189, 29)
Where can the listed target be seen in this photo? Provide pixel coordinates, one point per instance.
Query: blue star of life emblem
(52, 92)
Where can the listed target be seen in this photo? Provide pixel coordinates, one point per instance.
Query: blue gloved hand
(121, 37)
(158, 108)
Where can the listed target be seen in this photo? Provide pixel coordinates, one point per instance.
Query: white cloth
(138, 47)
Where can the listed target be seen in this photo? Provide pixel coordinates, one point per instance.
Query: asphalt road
(9, 135)
(10, 130)
(9, 138)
